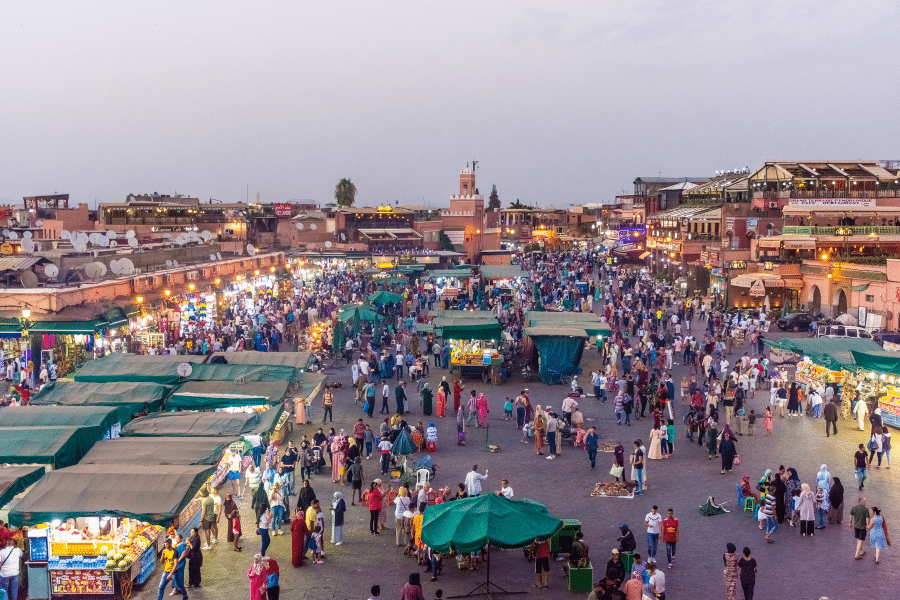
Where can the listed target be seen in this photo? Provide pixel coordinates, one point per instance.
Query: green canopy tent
(101, 418)
(355, 315)
(560, 350)
(55, 446)
(15, 480)
(300, 360)
(210, 395)
(880, 361)
(384, 297)
(204, 424)
(502, 271)
(831, 353)
(135, 368)
(152, 493)
(588, 321)
(136, 398)
(246, 372)
(468, 328)
(467, 525)
(461, 273)
(158, 451)
(403, 445)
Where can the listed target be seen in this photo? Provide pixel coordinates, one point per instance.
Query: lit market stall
(450, 283)
(877, 381)
(474, 338)
(97, 529)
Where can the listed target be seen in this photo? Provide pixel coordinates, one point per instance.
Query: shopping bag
(616, 471)
(737, 461)
(366, 406)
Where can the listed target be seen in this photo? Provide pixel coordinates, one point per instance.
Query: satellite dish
(129, 234)
(6, 233)
(219, 255)
(27, 235)
(39, 223)
(111, 234)
(12, 235)
(114, 266)
(28, 279)
(126, 267)
(91, 270)
(206, 235)
(102, 268)
(300, 226)
(328, 244)
(65, 234)
(184, 369)
(113, 244)
(212, 257)
(27, 246)
(51, 271)
(104, 241)
(168, 263)
(313, 227)
(133, 242)
(250, 249)
(175, 263)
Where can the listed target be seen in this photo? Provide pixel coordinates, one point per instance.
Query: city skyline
(560, 106)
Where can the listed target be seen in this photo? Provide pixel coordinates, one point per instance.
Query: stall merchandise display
(809, 373)
(473, 353)
(614, 489)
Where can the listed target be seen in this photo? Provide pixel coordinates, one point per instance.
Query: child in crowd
(236, 529)
(508, 409)
(768, 420)
(315, 544)
(751, 422)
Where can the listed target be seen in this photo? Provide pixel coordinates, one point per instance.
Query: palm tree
(345, 192)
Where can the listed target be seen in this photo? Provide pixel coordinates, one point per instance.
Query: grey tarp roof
(204, 424)
(232, 372)
(205, 395)
(158, 451)
(502, 271)
(15, 480)
(135, 367)
(301, 360)
(55, 446)
(140, 397)
(151, 493)
(100, 417)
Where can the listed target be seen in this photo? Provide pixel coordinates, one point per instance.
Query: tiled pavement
(793, 567)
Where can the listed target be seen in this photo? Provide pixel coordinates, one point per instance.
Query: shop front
(69, 344)
(759, 290)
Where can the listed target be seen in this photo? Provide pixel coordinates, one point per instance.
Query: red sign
(282, 209)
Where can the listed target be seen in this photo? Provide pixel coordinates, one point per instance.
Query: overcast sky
(560, 102)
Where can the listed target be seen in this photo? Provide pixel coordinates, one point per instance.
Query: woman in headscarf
(728, 451)
(195, 554)
(299, 535)
(730, 558)
(260, 503)
(337, 457)
(457, 394)
(338, 507)
(228, 508)
(793, 401)
(791, 484)
(305, 496)
(836, 501)
(411, 591)
(746, 490)
(807, 506)
(427, 397)
(386, 504)
(764, 483)
(441, 401)
(619, 460)
(823, 478)
(778, 488)
(257, 576)
(540, 423)
(634, 587)
(712, 435)
(483, 409)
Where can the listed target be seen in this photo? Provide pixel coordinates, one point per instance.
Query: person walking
(860, 462)
(195, 558)
(170, 560)
(859, 515)
(10, 565)
(831, 415)
(730, 559)
(591, 441)
(747, 566)
(836, 501)
(671, 535)
(878, 535)
(653, 521)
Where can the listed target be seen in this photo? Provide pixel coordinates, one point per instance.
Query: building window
(870, 297)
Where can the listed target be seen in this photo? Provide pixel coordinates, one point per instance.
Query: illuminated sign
(737, 264)
(384, 209)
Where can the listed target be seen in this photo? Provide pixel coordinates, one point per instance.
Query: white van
(838, 331)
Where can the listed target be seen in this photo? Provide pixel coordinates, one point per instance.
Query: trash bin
(561, 543)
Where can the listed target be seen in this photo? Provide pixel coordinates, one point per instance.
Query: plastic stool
(750, 505)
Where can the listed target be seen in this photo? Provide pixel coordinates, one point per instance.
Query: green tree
(444, 241)
(518, 204)
(493, 200)
(345, 192)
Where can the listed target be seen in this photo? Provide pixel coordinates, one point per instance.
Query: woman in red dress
(299, 533)
(457, 393)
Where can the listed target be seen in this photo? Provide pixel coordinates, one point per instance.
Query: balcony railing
(842, 231)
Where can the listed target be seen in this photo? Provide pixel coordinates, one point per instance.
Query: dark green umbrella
(403, 445)
(384, 297)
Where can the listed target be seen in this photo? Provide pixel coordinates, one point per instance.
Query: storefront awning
(831, 353)
(66, 327)
(150, 493)
(468, 329)
(877, 360)
(502, 271)
(860, 288)
(204, 424)
(449, 273)
(10, 328)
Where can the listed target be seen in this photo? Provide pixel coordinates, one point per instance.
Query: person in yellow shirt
(417, 529)
(170, 561)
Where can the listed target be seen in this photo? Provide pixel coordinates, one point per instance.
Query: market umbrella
(385, 297)
(403, 445)
(468, 524)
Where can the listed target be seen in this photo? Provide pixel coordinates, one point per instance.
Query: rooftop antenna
(474, 164)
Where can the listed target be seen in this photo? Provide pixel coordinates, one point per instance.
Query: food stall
(559, 350)
(99, 527)
(877, 381)
(474, 341)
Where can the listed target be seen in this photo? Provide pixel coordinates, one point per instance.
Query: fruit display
(118, 554)
(614, 489)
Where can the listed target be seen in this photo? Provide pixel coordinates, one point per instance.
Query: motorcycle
(577, 391)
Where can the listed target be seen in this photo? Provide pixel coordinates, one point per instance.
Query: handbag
(872, 445)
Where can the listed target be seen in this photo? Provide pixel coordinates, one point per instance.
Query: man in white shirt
(505, 490)
(473, 481)
(10, 559)
(552, 424)
(653, 521)
(656, 581)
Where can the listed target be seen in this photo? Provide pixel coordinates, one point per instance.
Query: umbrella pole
(486, 586)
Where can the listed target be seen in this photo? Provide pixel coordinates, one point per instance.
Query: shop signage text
(737, 264)
(282, 209)
(758, 289)
(157, 229)
(861, 202)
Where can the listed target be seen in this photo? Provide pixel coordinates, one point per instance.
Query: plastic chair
(750, 505)
(422, 476)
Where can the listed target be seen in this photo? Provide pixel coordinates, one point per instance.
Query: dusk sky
(560, 102)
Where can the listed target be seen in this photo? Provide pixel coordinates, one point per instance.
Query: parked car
(838, 330)
(795, 322)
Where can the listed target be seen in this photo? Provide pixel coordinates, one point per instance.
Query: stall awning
(234, 372)
(55, 446)
(860, 288)
(204, 424)
(115, 317)
(150, 493)
(502, 271)
(587, 321)
(449, 273)
(880, 361)
(66, 327)
(15, 480)
(831, 353)
(468, 329)
(160, 369)
(99, 417)
(555, 331)
(158, 451)
(300, 360)
(209, 395)
(768, 242)
(10, 328)
(134, 398)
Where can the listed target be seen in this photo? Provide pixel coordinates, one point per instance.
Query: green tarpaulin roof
(384, 297)
(208, 395)
(151, 493)
(232, 372)
(299, 360)
(136, 397)
(55, 446)
(99, 417)
(451, 273)
(468, 329)
(204, 424)
(15, 480)
(502, 271)
(468, 524)
(464, 314)
(831, 353)
(66, 327)
(158, 451)
(135, 367)
(880, 361)
(556, 331)
(586, 321)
